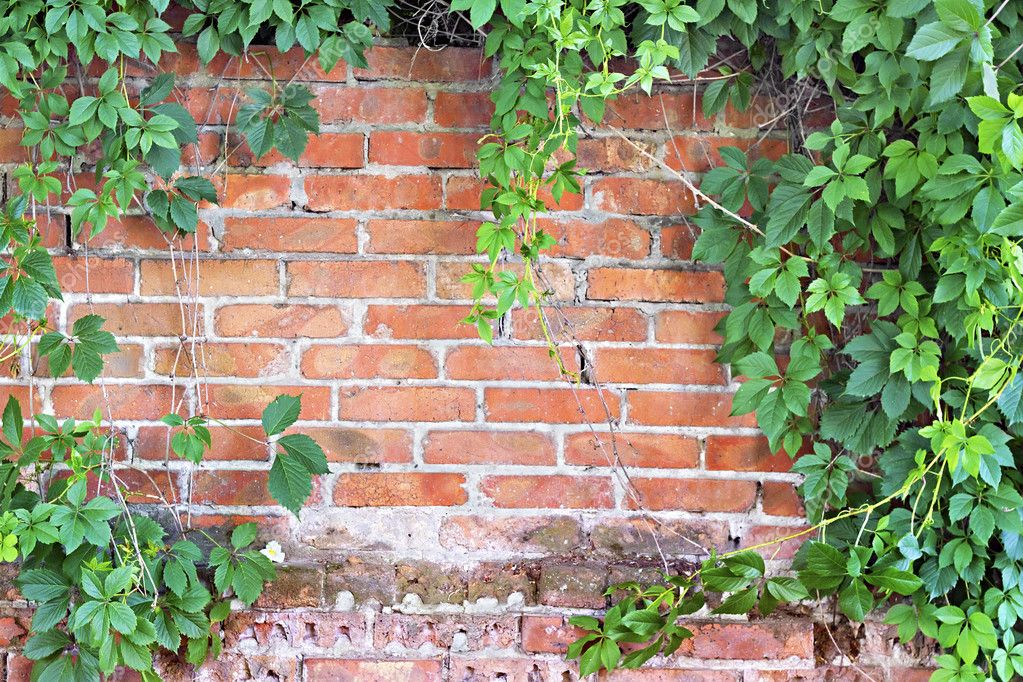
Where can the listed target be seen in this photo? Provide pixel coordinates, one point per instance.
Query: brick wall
(467, 510)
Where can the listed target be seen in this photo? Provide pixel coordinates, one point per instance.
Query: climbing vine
(875, 280)
(874, 275)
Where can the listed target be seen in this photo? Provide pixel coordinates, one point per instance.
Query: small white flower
(273, 552)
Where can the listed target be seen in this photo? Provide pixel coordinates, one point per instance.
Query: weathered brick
(744, 453)
(254, 192)
(697, 154)
(246, 401)
(357, 279)
(128, 401)
(418, 322)
(530, 534)
(368, 362)
(479, 363)
(372, 192)
(404, 63)
(695, 494)
(642, 196)
(363, 670)
(362, 446)
(548, 634)
(281, 321)
(584, 324)
(328, 235)
(422, 236)
(365, 580)
(633, 450)
(488, 447)
(95, 275)
(432, 583)
(408, 403)
(142, 319)
(462, 109)
(691, 408)
(399, 490)
(675, 286)
(614, 238)
(435, 150)
(369, 105)
(687, 326)
(781, 499)
(678, 111)
(294, 587)
(552, 406)
(223, 360)
(549, 491)
(215, 278)
(657, 366)
(573, 585)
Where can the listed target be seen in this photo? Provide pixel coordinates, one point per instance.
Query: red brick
(778, 541)
(641, 196)
(658, 408)
(552, 406)
(634, 450)
(368, 362)
(11, 150)
(422, 236)
(606, 154)
(400, 490)
(325, 150)
(774, 639)
(462, 109)
(781, 499)
(657, 366)
(613, 238)
(234, 443)
(700, 154)
(695, 494)
(281, 321)
(682, 111)
(328, 235)
(230, 487)
(549, 492)
(463, 194)
(95, 275)
(558, 279)
(584, 324)
(216, 278)
(140, 232)
(548, 634)
(372, 192)
(224, 360)
(414, 64)
(128, 401)
(254, 192)
(140, 319)
(516, 363)
(687, 326)
(408, 403)
(418, 322)
(646, 674)
(360, 670)
(677, 241)
(370, 105)
(435, 150)
(488, 447)
(357, 279)
(362, 446)
(675, 286)
(248, 401)
(744, 453)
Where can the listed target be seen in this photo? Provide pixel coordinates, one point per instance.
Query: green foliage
(109, 585)
(882, 256)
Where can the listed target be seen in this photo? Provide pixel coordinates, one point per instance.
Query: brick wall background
(467, 511)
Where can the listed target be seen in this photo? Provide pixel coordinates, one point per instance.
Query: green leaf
(306, 450)
(281, 413)
(290, 482)
(855, 600)
(933, 41)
